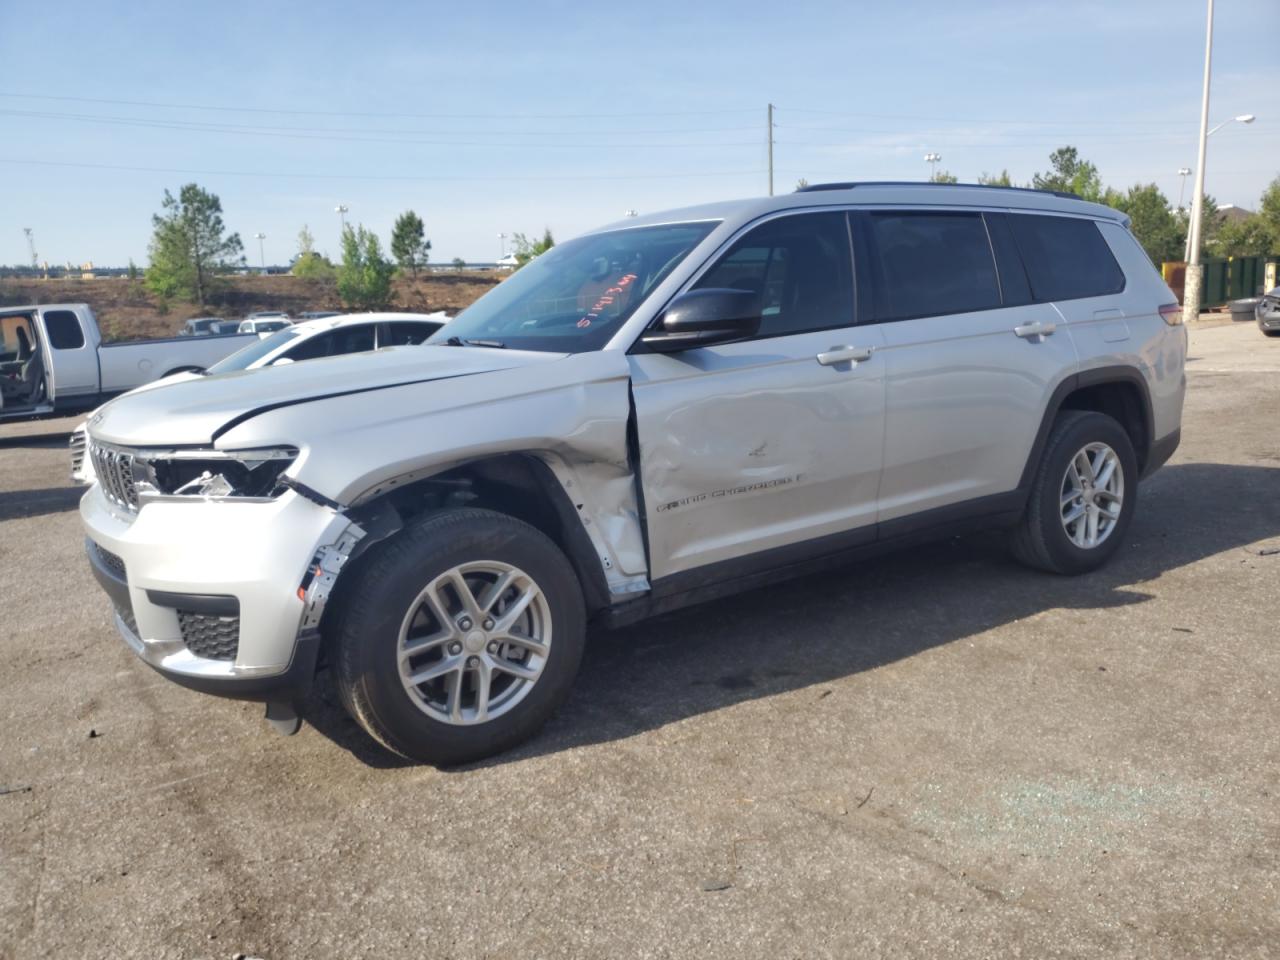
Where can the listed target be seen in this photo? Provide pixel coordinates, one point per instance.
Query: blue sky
(489, 118)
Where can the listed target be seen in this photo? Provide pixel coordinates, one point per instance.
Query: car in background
(203, 327)
(332, 337)
(319, 314)
(263, 325)
(1267, 313)
(307, 340)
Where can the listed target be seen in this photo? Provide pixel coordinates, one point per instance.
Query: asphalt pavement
(936, 754)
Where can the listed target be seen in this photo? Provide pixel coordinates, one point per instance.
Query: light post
(631, 213)
(262, 257)
(932, 159)
(1243, 118)
(341, 210)
(502, 246)
(1183, 172)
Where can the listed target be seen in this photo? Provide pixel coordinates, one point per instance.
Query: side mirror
(700, 318)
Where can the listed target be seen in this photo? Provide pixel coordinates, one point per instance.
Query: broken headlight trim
(186, 475)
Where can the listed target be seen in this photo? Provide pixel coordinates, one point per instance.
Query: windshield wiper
(467, 342)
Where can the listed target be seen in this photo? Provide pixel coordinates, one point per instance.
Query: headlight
(213, 474)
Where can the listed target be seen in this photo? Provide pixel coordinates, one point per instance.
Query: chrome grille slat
(77, 443)
(114, 470)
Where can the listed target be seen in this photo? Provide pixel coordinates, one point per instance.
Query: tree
(1070, 174)
(459, 263)
(408, 243)
(308, 263)
(364, 279)
(801, 183)
(189, 246)
(526, 249)
(1000, 179)
(1243, 238)
(1269, 211)
(1153, 223)
(944, 176)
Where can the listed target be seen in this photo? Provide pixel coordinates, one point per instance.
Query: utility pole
(341, 210)
(932, 159)
(502, 246)
(769, 140)
(31, 245)
(1183, 172)
(262, 257)
(1195, 272)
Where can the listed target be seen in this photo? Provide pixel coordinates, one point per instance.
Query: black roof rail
(811, 187)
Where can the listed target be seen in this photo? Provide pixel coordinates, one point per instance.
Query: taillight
(1171, 313)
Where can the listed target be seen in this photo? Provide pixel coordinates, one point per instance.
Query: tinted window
(334, 343)
(926, 264)
(242, 358)
(801, 269)
(409, 331)
(1066, 258)
(64, 331)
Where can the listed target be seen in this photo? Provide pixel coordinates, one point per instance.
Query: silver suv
(658, 412)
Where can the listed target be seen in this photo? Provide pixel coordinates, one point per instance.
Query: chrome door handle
(1029, 331)
(836, 355)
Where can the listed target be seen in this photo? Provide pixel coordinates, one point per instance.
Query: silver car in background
(665, 410)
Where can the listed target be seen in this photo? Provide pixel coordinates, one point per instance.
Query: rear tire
(1082, 497)
(460, 637)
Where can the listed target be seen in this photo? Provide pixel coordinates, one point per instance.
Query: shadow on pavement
(37, 503)
(36, 441)
(857, 617)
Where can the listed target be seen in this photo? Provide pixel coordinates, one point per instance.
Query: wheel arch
(521, 485)
(1120, 392)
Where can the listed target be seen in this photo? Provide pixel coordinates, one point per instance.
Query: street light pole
(1195, 273)
(262, 257)
(932, 159)
(341, 210)
(502, 246)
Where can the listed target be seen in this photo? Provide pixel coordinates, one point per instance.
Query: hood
(195, 411)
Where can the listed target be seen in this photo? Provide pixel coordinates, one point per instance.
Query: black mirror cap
(699, 318)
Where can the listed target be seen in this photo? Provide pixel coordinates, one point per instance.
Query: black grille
(112, 563)
(208, 636)
(114, 471)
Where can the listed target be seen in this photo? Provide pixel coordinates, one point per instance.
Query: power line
(286, 133)
(372, 177)
(368, 113)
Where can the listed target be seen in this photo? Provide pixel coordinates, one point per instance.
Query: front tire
(460, 637)
(1082, 497)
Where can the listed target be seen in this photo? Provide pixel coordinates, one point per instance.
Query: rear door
(969, 360)
(748, 450)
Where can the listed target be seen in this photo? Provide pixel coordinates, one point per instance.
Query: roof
(880, 194)
(350, 319)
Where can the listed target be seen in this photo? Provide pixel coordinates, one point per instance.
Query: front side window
(576, 296)
(799, 266)
(64, 330)
(927, 264)
(1066, 257)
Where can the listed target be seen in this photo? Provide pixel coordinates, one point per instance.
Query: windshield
(242, 359)
(575, 296)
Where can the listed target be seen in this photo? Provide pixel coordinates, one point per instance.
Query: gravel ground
(937, 754)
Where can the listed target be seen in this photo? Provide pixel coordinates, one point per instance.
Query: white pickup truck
(53, 358)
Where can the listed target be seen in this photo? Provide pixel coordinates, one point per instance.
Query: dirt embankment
(126, 310)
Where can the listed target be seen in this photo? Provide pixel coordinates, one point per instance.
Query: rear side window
(404, 332)
(1066, 258)
(801, 269)
(64, 331)
(927, 264)
(334, 343)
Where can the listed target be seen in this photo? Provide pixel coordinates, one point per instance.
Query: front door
(747, 449)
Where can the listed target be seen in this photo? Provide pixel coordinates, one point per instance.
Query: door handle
(829, 358)
(1037, 330)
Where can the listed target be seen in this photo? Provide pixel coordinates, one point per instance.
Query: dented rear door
(753, 447)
